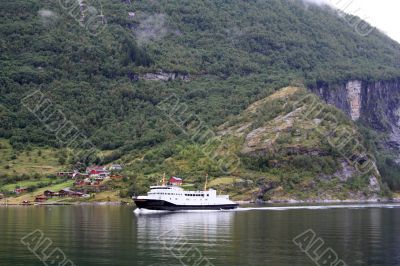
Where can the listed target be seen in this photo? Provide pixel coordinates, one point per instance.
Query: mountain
(106, 66)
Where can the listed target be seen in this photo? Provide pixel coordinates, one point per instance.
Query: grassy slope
(31, 196)
(38, 160)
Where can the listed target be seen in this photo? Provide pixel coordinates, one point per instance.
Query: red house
(97, 171)
(79, 183)
(63, 193)
(20, 190)
(48, 193)
(40, 198)
(176, 181)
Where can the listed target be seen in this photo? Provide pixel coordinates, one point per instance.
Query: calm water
(114, 235)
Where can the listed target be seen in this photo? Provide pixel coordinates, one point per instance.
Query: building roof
(95, 168)
(175, 179)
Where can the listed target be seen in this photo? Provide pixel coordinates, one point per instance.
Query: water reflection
(194, 225)
(114, 235)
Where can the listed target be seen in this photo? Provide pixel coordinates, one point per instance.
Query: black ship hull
(162, 205)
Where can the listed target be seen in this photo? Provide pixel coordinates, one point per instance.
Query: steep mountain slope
(218, 57)
(285, 149)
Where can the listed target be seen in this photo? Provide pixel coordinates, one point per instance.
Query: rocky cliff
(377, 104)
(296, 148)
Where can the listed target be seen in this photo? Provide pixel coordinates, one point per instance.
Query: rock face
(164, 76)
(375, 103)
(353, 89)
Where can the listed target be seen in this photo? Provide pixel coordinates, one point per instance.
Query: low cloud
(317, 2)
(47, 17)
(45, 13)
(152, 28)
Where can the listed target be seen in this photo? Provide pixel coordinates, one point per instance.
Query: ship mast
(163, 180)
(205, 184)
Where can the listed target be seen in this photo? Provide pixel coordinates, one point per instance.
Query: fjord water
(115, 235)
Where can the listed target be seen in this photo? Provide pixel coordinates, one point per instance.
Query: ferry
(172, 198)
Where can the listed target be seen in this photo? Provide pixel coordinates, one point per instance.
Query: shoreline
(311, 201)
(111, 203)
(251, 203)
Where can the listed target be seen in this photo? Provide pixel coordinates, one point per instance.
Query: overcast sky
(383, 14)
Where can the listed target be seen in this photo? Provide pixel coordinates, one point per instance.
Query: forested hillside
(230, 53)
